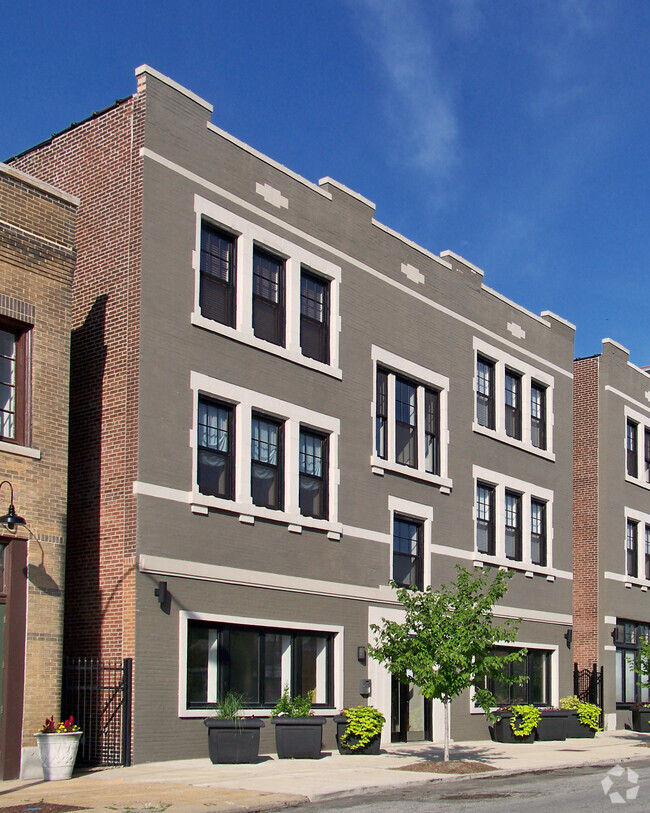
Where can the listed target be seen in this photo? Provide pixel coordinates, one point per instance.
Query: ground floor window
(256, 662)
(536, 665)
(627, 637)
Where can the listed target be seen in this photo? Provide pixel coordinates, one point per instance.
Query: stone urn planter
(298, 737)
(58, 753)
(235, 740)
(641, 719)
(574, 728)
(553, 725)
(350, 746)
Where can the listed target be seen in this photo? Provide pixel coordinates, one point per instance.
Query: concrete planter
(574, 728)
(233, 741)
(553, 725)
(298, 737)
(341, 724)
(58, 753)
(641, 720)
(503, 732)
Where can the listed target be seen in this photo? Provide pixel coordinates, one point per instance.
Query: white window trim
(184, 616)
(643, 423)
(503, 360)
(528, 491)
(642, 520)
(420, 513)
(244, 402)
(420, 375)
(247, 236)
(554, 666)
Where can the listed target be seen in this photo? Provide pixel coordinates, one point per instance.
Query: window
(410, 419)
(513, 404)
(514, 401)
(266, 462)
(12, 384)
(514, 522)
(215, 449)
(538, 532)
(632, 430)
(646, 453)
(406, 445)
(538, 415)
(258, 288)
(381, 415)
(485, 519)
(407, 553)
(536, 665)
(256, 662)
(513, 526)
(217, 288)
(313, 474)
(627, 635)
(485, 392)
(268, 297)
(647, 552)
(632, 548)
(314, 316)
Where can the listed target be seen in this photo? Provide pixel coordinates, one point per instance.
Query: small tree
(445, 642)
(641, 665)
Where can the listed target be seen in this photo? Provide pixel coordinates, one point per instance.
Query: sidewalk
(190, 786)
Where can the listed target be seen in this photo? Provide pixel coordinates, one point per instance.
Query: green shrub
(363, 723)
(297, 706)
(525, 719)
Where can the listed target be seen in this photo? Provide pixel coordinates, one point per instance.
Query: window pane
(241, 662)
(406, 423)
(538, 532)
(485, 519)
(513, 526)
(538, 416)
(432, 430)
(631, 441)
(313, 471)
(381, 408)
(513, 405)
(632, 548)
(197, 663)
(274, 647)
(266, 462)
(485, 392)
(314, 317)
(216, 295)
(214, 449)
(268, 297)
(407, 553)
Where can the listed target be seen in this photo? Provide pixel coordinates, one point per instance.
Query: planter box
(234, 741)
(341, 724)
(553, 725)
(58, 753)
(574, 727)
(298, 737)
(503, 732)
(641, 720)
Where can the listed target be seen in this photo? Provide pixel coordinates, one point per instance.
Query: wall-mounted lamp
(361, 654)
(568, 637)
(161, 593)
(11, 518)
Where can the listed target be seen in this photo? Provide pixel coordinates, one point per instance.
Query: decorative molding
(272, 196)
(413, 273)
(517, 331)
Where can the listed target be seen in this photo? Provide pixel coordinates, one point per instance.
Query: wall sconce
(161, 594)
(568, 637)
(361, 654)
(11, 518)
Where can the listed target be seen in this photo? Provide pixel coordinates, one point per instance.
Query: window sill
(636, 481)
(520, 566)
(379, 466)
(23, 451)
(251, 340)
(251, 512)
(628, 581)
(264, 713)
(518, 444)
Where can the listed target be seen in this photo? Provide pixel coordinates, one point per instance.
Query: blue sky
(513, 132)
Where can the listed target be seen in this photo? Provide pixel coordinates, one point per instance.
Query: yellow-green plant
(525, 719)
(588, 713)
(364, 723)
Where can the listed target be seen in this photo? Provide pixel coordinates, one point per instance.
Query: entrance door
(411, 714)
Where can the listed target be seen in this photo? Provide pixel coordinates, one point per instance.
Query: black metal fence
(588, 684)
(98, 694)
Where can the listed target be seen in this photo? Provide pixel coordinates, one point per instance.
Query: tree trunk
(446, 738)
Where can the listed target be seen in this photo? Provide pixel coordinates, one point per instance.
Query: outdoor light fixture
(161, 593)
(568, 636)
(11, 519)
(361, 653)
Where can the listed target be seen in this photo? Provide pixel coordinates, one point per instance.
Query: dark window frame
(305, 477)
(538, 537)
(631, 448)
(513, 525)
(276, 470)
(228, 456)
(381, 413)
(212, 285)
(513, 382)
(431, 431)
(538, 415)
(406, 453)
(19, 382)
(627, 635)
(524, 693)
(314, 332)
(485, 517)
(268, 311)
(632, 548)
(416, 559)
(485, 396)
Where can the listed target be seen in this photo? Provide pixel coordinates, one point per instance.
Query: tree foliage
(445, 643)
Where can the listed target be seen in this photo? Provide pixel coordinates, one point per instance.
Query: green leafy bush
(297, 706)
(588, 713)
(364, 723)
(525, 719)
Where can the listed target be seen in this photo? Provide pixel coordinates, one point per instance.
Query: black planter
(231, 741)
(553, 725)
(574, 728)
(641, 720)
(298, 737)
(341, 724)
(503, 732)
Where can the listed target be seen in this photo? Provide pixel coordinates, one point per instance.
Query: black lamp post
(11, 518)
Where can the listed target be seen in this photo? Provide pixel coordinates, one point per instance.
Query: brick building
(277, 405)
(36, 266)
(611, 522)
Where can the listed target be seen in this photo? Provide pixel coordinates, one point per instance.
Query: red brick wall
(98, 161)
(585, 511)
